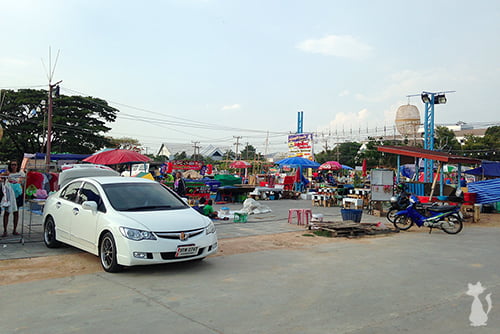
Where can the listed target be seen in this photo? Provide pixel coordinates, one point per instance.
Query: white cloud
(231, 107)
(344, 46)
(345, 92)
(13, 62)
(350, 118)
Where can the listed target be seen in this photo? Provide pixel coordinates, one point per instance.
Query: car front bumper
(146, 252)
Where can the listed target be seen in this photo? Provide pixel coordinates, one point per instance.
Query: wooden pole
(435, 179)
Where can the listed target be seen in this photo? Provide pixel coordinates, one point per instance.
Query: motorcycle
(398, 203)
(445, 217)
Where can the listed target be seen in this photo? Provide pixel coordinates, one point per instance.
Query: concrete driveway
(408, 282)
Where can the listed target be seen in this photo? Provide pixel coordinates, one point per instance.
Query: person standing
(12, 199)
(179, 185)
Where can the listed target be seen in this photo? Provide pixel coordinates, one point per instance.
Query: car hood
(167, 220)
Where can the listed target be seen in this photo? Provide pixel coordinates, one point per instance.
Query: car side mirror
(90, 205)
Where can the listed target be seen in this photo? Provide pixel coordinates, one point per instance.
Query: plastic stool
(316, 200)
(307, 215)
(299, 216)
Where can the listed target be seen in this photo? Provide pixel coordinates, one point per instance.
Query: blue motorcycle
(445, 217)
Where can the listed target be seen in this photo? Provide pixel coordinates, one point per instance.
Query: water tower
(408, 121)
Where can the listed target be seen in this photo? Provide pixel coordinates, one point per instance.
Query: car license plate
(186, 251)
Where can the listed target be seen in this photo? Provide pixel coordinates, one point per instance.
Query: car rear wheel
(49, 233)
(107, 254)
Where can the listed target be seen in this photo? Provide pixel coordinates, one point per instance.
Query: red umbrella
(330, 165)
(117, 156)
(363, 168)
(240, 164)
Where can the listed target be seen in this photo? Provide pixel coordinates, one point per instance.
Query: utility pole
(52, 87)
(196, 149)
(237, 144)
(267, 144)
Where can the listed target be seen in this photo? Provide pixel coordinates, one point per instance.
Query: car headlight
(210, 228)
(137, 235)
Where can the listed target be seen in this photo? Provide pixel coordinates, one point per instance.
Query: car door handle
(75, 211)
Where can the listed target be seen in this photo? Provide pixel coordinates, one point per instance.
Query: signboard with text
(300, 145)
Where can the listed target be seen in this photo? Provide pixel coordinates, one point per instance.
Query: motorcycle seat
(441, 208)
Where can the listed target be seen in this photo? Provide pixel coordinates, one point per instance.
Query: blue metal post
(441, 182)
(399, 168)
(459, 175)
(300, 121)
(429, 137)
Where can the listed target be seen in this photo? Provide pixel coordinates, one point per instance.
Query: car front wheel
(107, 254)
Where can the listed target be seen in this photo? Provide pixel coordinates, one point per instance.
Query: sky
(217, 72)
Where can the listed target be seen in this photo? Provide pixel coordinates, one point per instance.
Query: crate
(240, 217)
(351, 214)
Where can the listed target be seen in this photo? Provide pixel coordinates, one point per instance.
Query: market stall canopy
(63, 156)
(298, 162)
(240, 164)
(330, 165)
(117, 156)
(488, 168)
(347, 167)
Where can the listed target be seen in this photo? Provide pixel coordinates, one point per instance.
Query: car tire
(107, 254)
(49, 233)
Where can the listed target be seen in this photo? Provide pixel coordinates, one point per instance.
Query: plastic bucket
(470, 197)
(351, 214)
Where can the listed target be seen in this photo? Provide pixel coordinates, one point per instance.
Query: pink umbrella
(240, 164)
(117, 156)
(330, 165)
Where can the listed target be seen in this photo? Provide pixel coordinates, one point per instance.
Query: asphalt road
(402, 283)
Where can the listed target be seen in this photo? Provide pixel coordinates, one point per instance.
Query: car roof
(115, 179)
(76, 173)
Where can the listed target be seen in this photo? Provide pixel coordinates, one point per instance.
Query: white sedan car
(126, 222)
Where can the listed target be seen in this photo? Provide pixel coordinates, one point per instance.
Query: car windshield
(141, 197)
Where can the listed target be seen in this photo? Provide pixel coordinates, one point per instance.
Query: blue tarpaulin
(487, 191)
(53, 157)
(488, 168)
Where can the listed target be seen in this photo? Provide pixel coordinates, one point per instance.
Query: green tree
(180, 155)
(445, 140)
(250, 153)
(78, 123)
(345, 153)
(229, 155)
(487, 147)
(125, 143)
(375, 158)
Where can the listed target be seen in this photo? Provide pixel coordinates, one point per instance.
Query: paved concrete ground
(406, 282)
(30, 243)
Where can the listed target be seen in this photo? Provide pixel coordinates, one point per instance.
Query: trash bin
(351, 214)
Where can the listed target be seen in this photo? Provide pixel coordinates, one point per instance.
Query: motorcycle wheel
(402, 222)
(452, 224)
(391, 214)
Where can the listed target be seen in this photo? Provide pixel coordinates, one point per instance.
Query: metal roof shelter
(418, 152)
(442, 157)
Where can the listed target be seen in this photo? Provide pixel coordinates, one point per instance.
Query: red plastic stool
(307, 215)
(298, 213)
